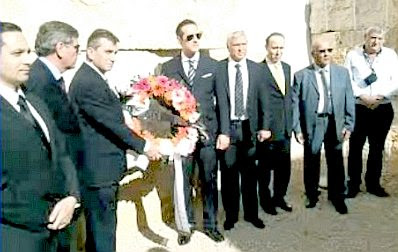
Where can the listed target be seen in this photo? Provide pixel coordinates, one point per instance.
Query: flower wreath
(176, 98)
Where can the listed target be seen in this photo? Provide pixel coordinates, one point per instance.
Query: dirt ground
(370, 225)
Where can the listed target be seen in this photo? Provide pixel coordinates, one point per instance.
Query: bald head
(321, 50)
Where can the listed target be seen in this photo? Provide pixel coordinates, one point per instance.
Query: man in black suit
(274, 154)
(242, 102)
(38, 183)
(323, 112)
(57, 48)
(106, 139)
(197, 72)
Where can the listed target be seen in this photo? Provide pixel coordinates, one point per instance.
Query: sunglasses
(190, 37)
(329, 50)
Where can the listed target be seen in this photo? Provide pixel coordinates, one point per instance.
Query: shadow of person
(158, 175)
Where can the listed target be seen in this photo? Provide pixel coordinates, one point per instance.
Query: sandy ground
(370, 225)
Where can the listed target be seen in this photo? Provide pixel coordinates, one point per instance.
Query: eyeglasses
(329, 50)
(191, 36)
(75, 46)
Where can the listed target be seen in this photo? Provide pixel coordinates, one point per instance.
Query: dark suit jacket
(203, 88)
(34, 174)
(105, 135)
(279, 113)
(256, 97)
(306, 97)
(43, 84)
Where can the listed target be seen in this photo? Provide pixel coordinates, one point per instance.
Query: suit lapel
(180, 70)
(287, 77)
(313, 78)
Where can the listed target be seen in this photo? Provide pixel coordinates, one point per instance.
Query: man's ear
(90, 53)
(58, 49)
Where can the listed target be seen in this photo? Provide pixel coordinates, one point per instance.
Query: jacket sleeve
(349, 117)
(222, 102)
(296, 103)
(93, 104)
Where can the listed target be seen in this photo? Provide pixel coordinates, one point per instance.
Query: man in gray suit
(323, 112)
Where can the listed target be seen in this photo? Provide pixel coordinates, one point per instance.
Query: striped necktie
(239, 107)
(191, 72)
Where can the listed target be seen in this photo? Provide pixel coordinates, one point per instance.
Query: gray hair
(94, 39)
(374, 30)
(51, 33)
(234, 35)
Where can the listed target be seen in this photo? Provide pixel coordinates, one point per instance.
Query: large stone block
(370, 13)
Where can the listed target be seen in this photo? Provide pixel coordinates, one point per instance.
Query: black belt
(323, 115)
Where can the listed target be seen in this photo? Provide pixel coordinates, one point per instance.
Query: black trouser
(100, 212)
(273, 155)
(239, 158)
(17, 240)
(204, 159)
(373, 125)
(325, 132)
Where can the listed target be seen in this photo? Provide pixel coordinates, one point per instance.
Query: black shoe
(228, 225)
(183, 238)
(258, 223)
(214, 234)
(311, 203)
(269, 209)
(282, 204)
(379, 192)
(340, 206)
(352, 193)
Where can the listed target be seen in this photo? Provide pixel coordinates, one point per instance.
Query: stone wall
(345, 22)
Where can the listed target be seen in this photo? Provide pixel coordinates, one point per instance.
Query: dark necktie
(25, 111)
(239, 107)
(325, 92)
(27, 114)
(191, 72)
(61, 83)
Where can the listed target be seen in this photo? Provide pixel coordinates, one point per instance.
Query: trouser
(325, 132)
(273, 155)
(239, 159)
(374, 126)
(100, 212)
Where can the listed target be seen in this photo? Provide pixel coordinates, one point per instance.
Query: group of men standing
(65, 151)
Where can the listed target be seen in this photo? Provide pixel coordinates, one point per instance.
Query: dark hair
(50, 34)
(93, 40)
(271, 35)
(8, 27)
(182, 24)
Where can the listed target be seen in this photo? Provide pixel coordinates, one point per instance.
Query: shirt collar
(318, 68)
(11, 94)
(195, 57)
(270, 63)
(53, 69)
(96, 69)
(242, 63)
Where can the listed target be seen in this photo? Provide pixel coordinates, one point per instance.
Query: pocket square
(207, 75)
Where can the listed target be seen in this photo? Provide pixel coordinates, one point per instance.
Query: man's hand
(299, 138)
(153, 152)
(263, 135)
(346, 134)
(223, 142)
(371, 101)
(62, 213)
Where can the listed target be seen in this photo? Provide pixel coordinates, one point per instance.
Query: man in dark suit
(38, 183)
(106, 139)
(274, 154)
(198, 72)
(242, 102)
(324, 110)
(57, 48)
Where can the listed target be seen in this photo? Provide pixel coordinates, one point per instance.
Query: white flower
(194, 117)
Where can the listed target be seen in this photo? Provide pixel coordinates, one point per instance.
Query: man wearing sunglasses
(57, 47)
(197, 72)
(323, 112)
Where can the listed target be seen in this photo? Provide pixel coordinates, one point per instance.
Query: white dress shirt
(278, 74)
(11, 95)
(185, 62)
(385, 66)
(232, 77)
(320, 85)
